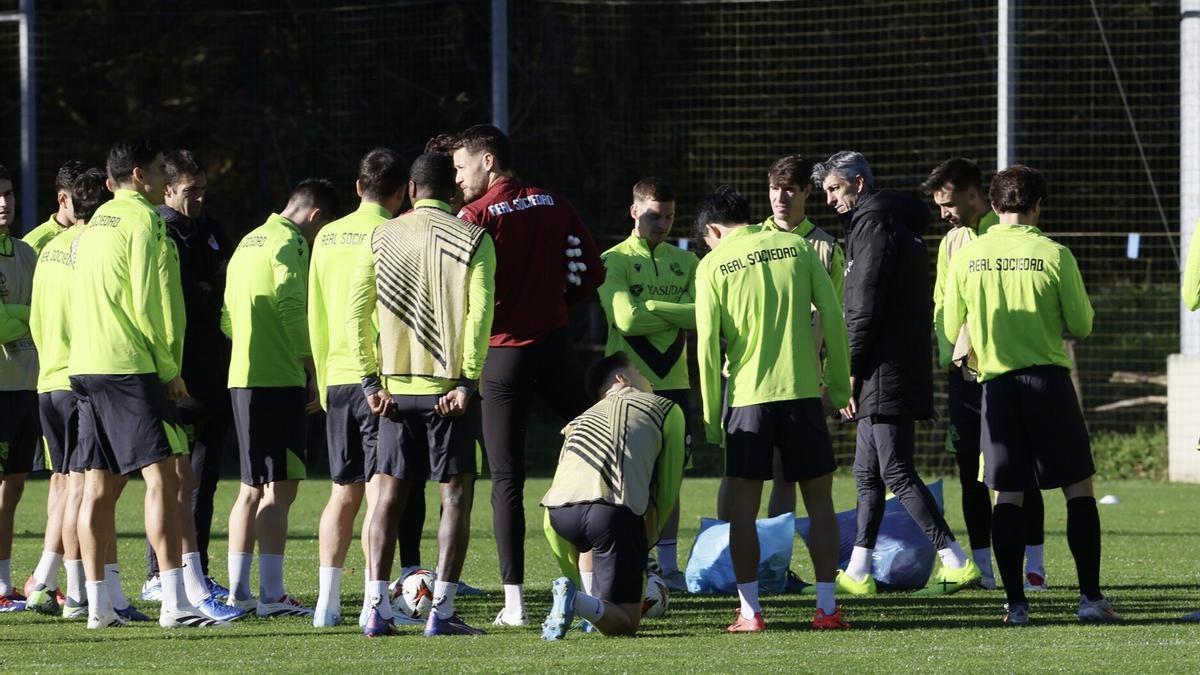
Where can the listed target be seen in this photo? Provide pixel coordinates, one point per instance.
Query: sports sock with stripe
(47, 569)
(112, 580)
(443, 598)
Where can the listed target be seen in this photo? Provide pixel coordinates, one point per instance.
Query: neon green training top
(427, 281)
(333, 258)
(757, 290)
(41, 235)
(1019, 292)
(955, 239)
(266, 289)
(1190, 288)
(649, 300)
(117, 325)
(50, 314)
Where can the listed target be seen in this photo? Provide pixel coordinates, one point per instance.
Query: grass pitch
(1150, 551)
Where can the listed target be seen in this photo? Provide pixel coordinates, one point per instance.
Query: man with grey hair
(888, 314)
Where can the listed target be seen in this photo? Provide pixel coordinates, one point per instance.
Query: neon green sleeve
(1190, 289)
(627, 313)
(174, 309)
(14, 322)
(669, 470)
(145, 254)
(360, 312)
(837, 273)
(954, 308)
(564, 552)
(318, 327)
(481, 307)
(833, 332)
(678, 314)
(708, 354)
(1077, 308)
(945, 346)
(291, 298)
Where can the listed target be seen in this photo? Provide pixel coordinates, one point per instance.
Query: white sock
(239, 575)
(666, 555)
(367, 597)
(193, 578)
(112, 579)
(953, 556)
(748, 593)
(443, 598)
(514, 599)
(329, 594)
(377, 596)
(270, 577)
(47, 569)
(172, 590)
(6, 587)
(826, 601)
(98, 602)
(860, 563)
(76, 592)
(588, 607)
(983, 558)
(586, 578)
(1035, 559)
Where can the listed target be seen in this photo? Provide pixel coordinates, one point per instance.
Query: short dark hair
(443, 143)
(125, 155)
(88, 191)
(4, 174)
(434, 173)
(67, 173)
(487, 138)
(182, 164)
(381, 172)
(725, 206)
(958, 172)
(599, 376)
(316, 193)
(790, 170)
(653, 189)
(1017, 189)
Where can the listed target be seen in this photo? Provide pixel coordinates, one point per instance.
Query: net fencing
(702, 93)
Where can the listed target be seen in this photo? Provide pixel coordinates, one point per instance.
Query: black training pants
(511, 376)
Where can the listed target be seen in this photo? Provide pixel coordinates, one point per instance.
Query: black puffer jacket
(889, 308)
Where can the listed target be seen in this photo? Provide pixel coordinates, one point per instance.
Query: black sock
(1035, 517)
(1008, 545)
(1083, 536)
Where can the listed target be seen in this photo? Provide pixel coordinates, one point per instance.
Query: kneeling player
(617, 481)
(1019, 292)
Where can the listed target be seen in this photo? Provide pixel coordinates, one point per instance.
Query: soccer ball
(413, 595)
(656, 599)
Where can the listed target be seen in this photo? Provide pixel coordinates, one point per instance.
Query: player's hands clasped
(453, 403)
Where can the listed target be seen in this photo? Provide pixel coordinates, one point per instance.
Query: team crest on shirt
(635, 290)
(677, 269)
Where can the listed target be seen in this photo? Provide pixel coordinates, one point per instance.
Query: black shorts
(60, 431)
(616, 537)
(1034, 435)
(18, 431)
(122, 421)
(683, 399)
(796, 428)
(270, 423)
(966, 401)
(351, 434)
(417, 444)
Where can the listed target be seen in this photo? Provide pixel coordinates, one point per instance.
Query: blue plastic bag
(903, 557)
(710, 569)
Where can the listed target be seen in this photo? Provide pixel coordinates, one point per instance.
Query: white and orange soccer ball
(656, 599)
(412, 596)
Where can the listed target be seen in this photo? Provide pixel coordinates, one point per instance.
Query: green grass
(1149, 572)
